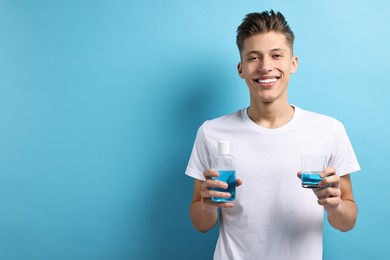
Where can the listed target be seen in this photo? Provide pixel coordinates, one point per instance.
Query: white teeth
(266, 81)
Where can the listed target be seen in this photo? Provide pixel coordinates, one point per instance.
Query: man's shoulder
(308, 115)
(230, 118)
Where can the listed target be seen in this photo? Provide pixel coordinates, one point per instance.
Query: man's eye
(253, 58)
(277, 56)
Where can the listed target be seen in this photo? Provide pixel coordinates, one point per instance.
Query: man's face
(266, 65)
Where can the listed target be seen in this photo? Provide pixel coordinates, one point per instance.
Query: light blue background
(100, 102)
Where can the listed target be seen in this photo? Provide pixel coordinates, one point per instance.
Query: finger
(299, 174)
(333, 201)
(214, 194)
(238, 182)
(328, 172)
(319, 193)
(328, 192)
(208, 174)
(212, 183)
(333, 181)
(218, 204)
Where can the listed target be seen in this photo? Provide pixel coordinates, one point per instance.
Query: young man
(273, 217)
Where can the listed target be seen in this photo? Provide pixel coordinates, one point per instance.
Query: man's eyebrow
(272, 50)
(278, 49)
(252, 52)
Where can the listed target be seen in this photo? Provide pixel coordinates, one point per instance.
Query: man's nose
(265, 66)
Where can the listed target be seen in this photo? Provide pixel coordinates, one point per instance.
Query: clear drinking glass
(311, 168)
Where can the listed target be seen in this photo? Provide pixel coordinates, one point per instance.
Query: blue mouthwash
(310, 179)
(223, 162)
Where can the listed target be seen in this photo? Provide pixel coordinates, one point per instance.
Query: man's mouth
(267, 81)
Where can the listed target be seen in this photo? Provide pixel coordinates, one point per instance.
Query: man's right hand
(207, 192)
(203, 210)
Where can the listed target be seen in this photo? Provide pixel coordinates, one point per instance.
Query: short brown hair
(266, 21)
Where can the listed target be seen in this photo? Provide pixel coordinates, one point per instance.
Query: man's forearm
(201, 219)
(344, 217)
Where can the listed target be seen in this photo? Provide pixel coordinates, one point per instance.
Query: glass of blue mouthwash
(311, 168)
(224, 163)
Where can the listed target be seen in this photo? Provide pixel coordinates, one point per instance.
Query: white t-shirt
(273, 216)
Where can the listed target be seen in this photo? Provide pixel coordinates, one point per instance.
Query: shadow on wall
(172, 234)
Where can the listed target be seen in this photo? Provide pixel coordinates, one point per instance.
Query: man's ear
(294, 64)
(239, 69)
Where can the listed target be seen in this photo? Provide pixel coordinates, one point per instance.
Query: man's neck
(270, 115)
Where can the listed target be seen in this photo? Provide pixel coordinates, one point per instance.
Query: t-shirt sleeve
(343, 157)
(200, 157)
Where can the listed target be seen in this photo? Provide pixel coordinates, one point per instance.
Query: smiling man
(266, 65)
(273, 217)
